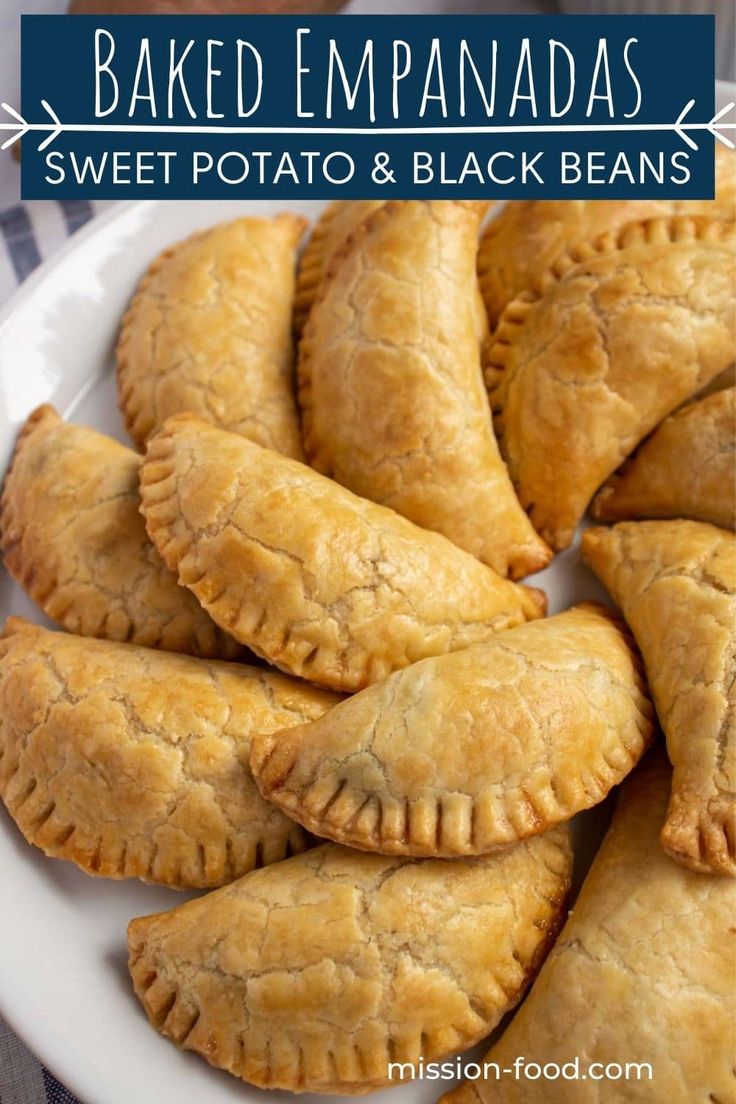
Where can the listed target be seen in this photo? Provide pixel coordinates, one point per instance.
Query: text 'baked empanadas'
(73, 537)
(322, 583)
(528, 236)
(210, 330)
(642, 973)
(622, 332)
(134, 763)
(316, 973)
(391, 386)
(461, 753)
(676, 584)
(686, 469)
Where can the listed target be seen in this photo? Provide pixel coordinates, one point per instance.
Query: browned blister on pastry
(686, 469)
(623, 331)
(210, 330)
(466, 752)
(391, 386)
(134, 763)
(526, 238)
(73, 537)
(676, 584)
(315, 974)
(642, 973)
(318, 581)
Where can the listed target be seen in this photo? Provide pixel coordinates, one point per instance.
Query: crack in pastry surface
(675, 582)
(316, 977)
(72, 536)
(322, 583)
(134, 763)
(617, 336)
(641, 972)
(391, 388)
(466, 752)
(209, 330)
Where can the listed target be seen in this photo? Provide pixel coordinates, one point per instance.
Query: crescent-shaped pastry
(134, 763)
(315, 974)
(686, 469)
(391, 386)
(462, 753)
(318, 581)
(676, 584)
(528, 236)
(338, 221)
(210, 330)
(72, 536)
(622, 333)
(636, 999)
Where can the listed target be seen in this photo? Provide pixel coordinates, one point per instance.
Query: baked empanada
(528, 236)
(622, 333)
(315, 974)
(134, 763)
(642, 973)
(462, 753)
(686, 469)
(319, 582)
(676, 584)
(391, 386)
(73, 537)
(210, 330)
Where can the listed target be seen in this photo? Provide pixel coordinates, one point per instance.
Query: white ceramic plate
(64, 985)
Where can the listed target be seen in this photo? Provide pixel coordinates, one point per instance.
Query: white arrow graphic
(19, 127)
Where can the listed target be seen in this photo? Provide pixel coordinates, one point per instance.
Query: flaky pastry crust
(335, 224)
(73, 537)
(134, 763)
(685, 469)
(622, 332)
(391, 386)
(641, 973)
(209, 330)
(676, 584)
(528, 235)
(321, 583)
(314, 974)
(463, 753)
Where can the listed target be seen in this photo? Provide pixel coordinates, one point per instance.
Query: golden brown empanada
(462, 753)
(528, 236)
(73, 537)
(676, 584)
(641, 973)
(391, 387)
(323, 584)
(134, 763)
(210, 330)
(336, 223)
(686, 469)
(623, 332)
(314, 974)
